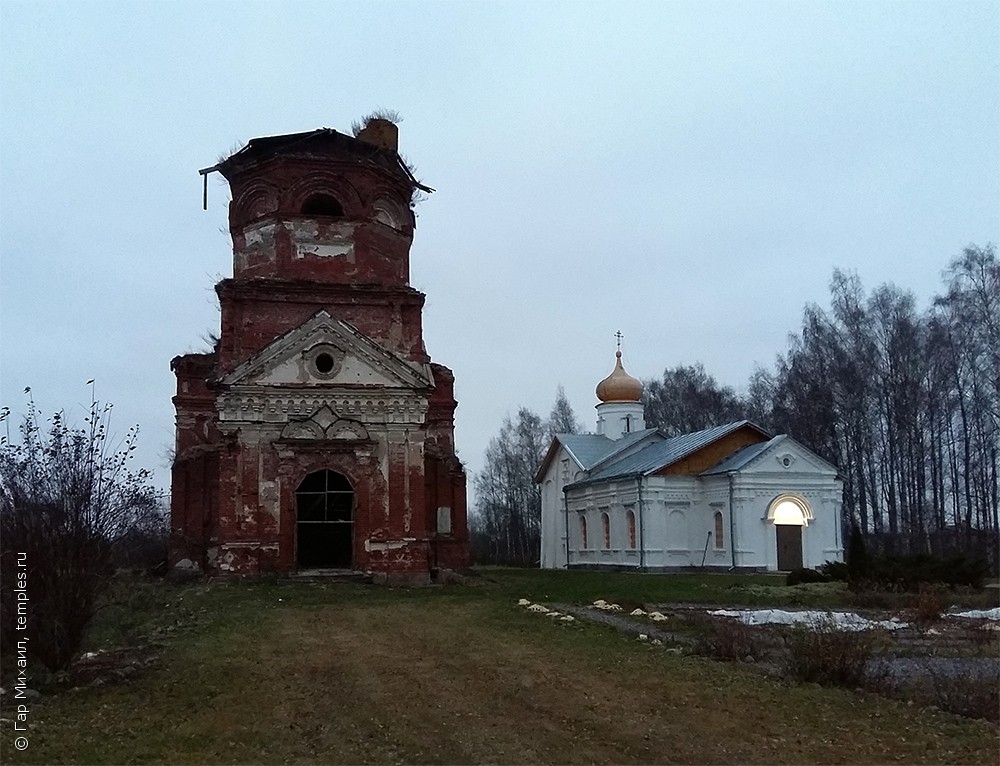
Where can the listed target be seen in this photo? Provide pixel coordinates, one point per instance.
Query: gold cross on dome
(619, 336)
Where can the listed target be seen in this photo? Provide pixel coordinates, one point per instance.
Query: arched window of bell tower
(322, 204)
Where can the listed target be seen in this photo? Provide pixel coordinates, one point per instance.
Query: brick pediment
(330, 353)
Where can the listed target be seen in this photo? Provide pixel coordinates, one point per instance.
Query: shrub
(729, 639)
(857, 556)
(802, 576)
(930, 603)
(68, 504)
(827, 655)
(973, 693)
(835, 570)
(908, 572)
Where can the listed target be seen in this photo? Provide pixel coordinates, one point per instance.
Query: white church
(730, 497)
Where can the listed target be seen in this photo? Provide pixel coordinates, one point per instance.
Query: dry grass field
(345, 673)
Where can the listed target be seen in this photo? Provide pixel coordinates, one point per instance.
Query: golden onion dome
(619, 386)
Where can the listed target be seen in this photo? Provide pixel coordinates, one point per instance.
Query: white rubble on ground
(657, 616)
(538, 608)
(637, 612)
(552, 614)
(978, 614)
(523, 602)
(605, 606)
(656, 642)
(567, 618)
(643, 637)
(840, 620)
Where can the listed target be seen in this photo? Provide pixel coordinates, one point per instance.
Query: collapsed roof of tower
(376, 145)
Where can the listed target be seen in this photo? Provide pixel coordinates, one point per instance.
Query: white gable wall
(787, 468)
(562, 470)
(756, 536)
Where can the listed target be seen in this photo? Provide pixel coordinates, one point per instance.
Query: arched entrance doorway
(789, 515)
(324, 512)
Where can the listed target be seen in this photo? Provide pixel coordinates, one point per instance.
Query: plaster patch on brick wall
(245, 515)
(331, 250)
(257, 246)
(332, 242)
(269, 499)
(388, 545)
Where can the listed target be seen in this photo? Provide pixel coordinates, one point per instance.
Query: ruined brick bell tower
(318, 435)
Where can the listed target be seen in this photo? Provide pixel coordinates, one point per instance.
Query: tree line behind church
(904, 402)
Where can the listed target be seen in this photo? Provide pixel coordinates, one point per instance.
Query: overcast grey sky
(687, 172)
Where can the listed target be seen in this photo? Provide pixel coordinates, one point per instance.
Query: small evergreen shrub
(835, 570)
(909, 572)
(904, 573)
(857, 556)
(804, 576)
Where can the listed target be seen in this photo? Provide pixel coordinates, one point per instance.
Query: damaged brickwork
(318, 434)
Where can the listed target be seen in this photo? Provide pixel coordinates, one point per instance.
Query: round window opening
(786, 461)
(324, 363)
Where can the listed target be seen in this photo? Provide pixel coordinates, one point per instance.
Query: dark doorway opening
(789, 538)
(324, 508)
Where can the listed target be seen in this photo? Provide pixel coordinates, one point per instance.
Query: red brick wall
(233, 487)
(256, 312)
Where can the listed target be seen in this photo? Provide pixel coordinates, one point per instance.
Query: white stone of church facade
(620, 498)
(674, 516)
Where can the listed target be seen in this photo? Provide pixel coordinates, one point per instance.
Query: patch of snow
(523, 602)
(637, 613)
(657, 616)
(538, 608)
(567, 618)
(643, 637)
(978, 614)
(840, 620)
(552, 614)
(600, 603)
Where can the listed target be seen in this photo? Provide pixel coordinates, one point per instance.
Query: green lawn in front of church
(276, 672)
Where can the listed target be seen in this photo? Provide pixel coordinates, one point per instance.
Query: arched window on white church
(606, 524)
(790, 510)
(630, 520)
(583, 532)
(719, 540)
